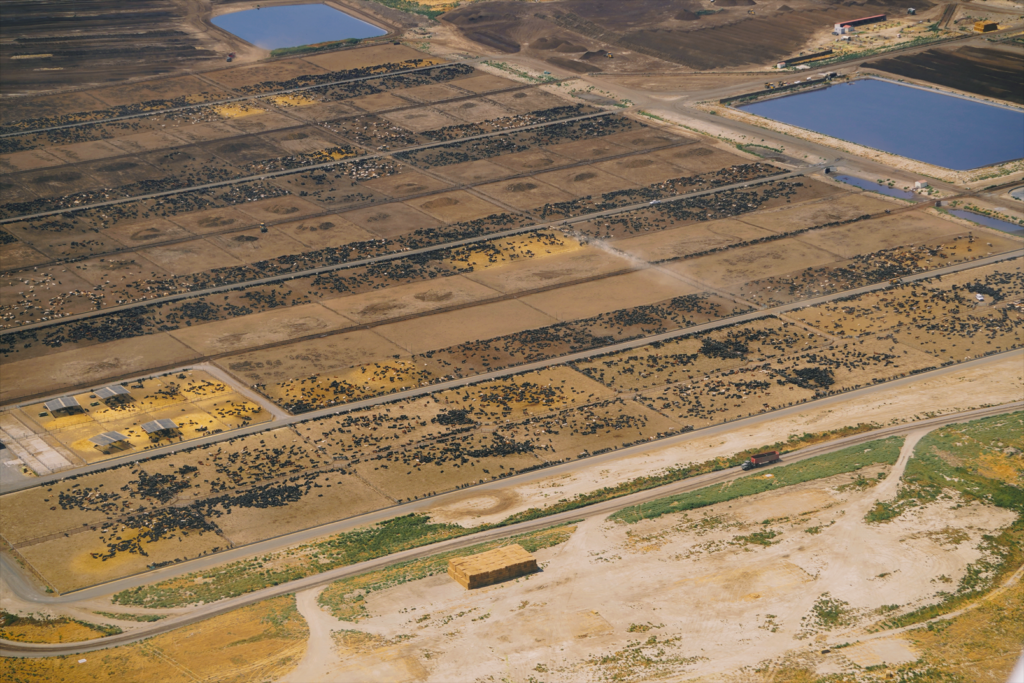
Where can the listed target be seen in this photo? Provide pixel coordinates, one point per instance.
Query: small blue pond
(948, 131)
(294, 25)
(1005, 226)
(875, 187)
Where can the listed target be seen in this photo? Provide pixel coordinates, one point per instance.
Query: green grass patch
(798, 441)
(412, 7)
(758, 150)
(757, 538)
(977, 461)
(851, 459)
(345, 599)
(315, 47)
(124, 616)
(546, 78)
(246, 576)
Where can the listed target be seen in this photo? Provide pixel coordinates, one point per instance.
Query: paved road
(410, 252)
(11, 486)
(11, 649)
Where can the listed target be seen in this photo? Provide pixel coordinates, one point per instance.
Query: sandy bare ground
(712, 601)
(320, 657)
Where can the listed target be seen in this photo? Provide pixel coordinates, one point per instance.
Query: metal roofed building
(108, 439)
(63, 403)
(110, 392)
(157, 426)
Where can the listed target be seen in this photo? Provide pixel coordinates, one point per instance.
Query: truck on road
(759, 459)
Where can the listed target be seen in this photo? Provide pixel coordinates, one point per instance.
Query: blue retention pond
(1005, 226)
(294, 25)
(933, 127)
(875, 187)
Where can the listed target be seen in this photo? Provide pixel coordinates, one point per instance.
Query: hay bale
(493, 566)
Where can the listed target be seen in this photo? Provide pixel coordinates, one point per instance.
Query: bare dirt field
(785, 571)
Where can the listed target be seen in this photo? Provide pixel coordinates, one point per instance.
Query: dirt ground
(982, 71)
(715, 587)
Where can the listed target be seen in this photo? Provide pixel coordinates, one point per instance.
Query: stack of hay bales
(494, 566)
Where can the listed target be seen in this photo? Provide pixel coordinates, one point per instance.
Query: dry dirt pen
(719, 254)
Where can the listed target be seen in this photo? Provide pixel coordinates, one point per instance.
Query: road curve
(13, 649)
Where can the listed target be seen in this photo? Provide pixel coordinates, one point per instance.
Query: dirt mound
(569, 48)
(433, 296)
(571, 64)
(557, 45)
(214, 221)
(56, 177)
(245, 238)
(596, 55)
(442, 203)
(117, 166)
(735, 3)
(522, 187)
(686, 15)
(147, 234)
(490, 25)
(699, 152)
(581, 177)
(638, 163)
(494, 40)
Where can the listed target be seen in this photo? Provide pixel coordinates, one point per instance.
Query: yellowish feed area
(197, 402)
(56, 631)
(262, 642)
(237, 110)
(292, 100)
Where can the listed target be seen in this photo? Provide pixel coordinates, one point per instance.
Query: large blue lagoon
(293, 25)
(939, 129)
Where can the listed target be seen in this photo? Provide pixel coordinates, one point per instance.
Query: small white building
(920, 184)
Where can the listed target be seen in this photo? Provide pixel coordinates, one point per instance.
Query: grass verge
(315, 47)
(846, 460)
(123, 616)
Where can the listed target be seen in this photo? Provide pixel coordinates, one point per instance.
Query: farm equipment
(760, 459)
